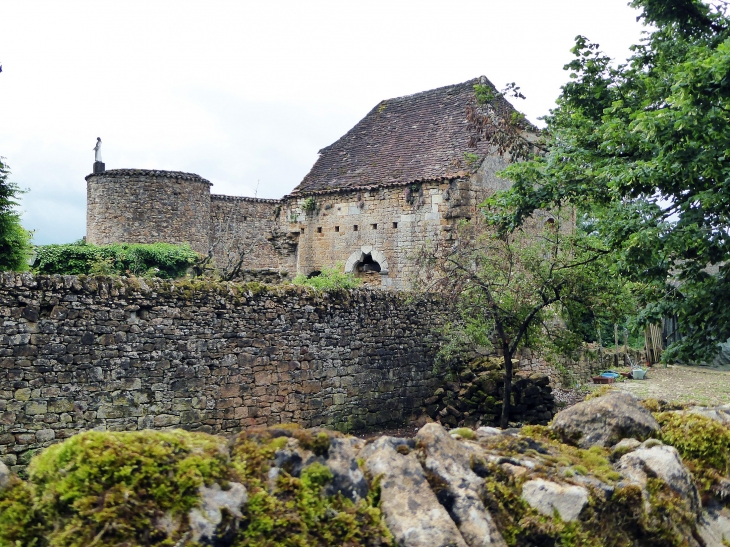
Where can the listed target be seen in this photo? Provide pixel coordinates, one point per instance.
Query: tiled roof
(414, 138)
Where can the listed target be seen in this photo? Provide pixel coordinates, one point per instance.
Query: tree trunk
(506, 404)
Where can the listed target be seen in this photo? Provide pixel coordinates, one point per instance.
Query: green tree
(15, 247)
(644, 146)
(527, 288)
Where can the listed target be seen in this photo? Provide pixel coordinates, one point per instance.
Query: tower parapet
(147, 206)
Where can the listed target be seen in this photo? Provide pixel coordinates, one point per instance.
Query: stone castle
(405, 174)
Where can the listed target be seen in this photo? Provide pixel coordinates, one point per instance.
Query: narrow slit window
(319, 229)
(395, 225)
(337, 228)
(302, 230)
(354, 228)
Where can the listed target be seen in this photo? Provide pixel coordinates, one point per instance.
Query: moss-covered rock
(145, 488)
(288, 487)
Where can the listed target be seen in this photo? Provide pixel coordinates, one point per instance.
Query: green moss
(20, 522)
(703, 443)
(318, 443)
(600, 392)
(295, 513)
(658, 405)
(101, 488)
(465, 433)
(593, 461)
(619, 521)
(111, 487)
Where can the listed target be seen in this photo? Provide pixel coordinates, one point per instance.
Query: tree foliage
(526, 288)
(15, 247)
(645, 147)
(156, 259)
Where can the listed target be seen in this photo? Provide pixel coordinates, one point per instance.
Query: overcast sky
(246, 93)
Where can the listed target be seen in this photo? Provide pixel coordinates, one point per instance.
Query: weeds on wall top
(154, 260)
(329, 279)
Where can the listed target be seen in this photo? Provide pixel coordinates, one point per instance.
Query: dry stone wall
(242, 228)
(117, 354)
(146, 206)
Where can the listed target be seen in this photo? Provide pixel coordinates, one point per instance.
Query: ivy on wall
(156, 259)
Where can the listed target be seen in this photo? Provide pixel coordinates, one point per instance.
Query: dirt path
(703, 386)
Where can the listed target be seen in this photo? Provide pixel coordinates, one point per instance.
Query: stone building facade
(404, 175)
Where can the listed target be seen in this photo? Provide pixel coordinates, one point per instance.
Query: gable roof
(408, 139)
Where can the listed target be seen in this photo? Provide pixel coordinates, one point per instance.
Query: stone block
(45, 435)
(33, 408)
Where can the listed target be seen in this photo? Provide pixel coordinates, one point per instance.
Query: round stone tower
(145, 206)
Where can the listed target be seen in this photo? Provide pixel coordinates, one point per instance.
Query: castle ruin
(404, 175)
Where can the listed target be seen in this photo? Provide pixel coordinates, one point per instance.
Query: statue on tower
(99, 166)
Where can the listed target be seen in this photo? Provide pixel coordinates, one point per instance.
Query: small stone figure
(99, 166)
(97, 150)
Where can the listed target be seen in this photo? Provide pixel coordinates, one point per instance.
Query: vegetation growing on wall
(328, 279)
(155, 260)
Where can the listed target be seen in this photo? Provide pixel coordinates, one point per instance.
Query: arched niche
(367, 259)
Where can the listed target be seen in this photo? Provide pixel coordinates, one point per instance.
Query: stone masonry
(404, 176)
(144, 206)
(123, 354)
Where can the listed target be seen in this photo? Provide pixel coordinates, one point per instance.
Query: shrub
(330, 278)
(15, 247)
(154, 260)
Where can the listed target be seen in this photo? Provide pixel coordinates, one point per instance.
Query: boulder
(347, 477)
(204, 520)
(717, 413)
(341, 459)
(4, 476)
(604, 421)
(412, 512)
(447, 459)
(714, 526)
(663, 462)
(548, 497)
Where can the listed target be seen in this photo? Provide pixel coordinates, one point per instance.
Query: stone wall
(244, 227)
(580, 368)
(387, 223)
(79, 353)
(143, 206)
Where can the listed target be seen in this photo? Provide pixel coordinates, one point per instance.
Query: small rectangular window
(354, 228)
(245, 219)
(375, 226)
(319, 229)
(337, 228)
(395, 225)
(302, 229)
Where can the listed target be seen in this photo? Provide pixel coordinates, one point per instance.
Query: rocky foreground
(611, 471)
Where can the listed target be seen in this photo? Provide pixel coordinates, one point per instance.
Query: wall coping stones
(155, 173)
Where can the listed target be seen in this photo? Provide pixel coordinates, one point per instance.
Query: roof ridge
(421, 136)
